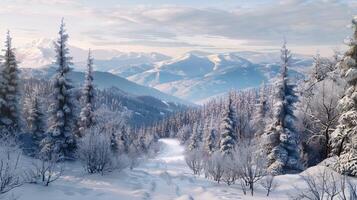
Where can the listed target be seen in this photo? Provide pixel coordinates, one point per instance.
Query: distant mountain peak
(40, 52)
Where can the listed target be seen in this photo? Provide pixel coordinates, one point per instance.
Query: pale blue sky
(176, 26)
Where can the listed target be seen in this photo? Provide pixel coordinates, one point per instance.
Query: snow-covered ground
(165, 177)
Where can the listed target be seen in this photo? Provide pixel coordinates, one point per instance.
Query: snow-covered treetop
(285, 57)
(352, 41)
(349, 63)
(9, 50)
(89, 77)
(62, 51)
(8, 40)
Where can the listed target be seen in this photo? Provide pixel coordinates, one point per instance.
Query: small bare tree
(250, 164)
(215, 167)
(49, 170)
(268, 183)
(45, 170)
(194, 160)
(230, 174)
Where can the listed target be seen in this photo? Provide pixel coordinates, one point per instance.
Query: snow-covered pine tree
(60, 137)
(228, 139)
(9, 89)
(316, 75)
(281, 138)
(344, 138)
(123, 140)
(142, 141)
(209, 137)
(86, 115)
(195, 138)
(35, 120)
(114, 146)
(260, 115)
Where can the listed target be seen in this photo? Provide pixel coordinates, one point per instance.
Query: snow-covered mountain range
(40, 53)
(195, 76)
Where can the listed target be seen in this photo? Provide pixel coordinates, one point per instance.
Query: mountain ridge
(193, 76)
(104, 80)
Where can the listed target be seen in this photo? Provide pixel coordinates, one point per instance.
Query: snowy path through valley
(170, 176)
(165, 177)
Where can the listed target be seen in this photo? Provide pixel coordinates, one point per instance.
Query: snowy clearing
(162, 178)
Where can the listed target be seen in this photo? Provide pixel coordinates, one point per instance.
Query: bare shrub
(10, 174)
(96, 155)
(194, 160)
(348, 189)
(268, 183)
(134, 156)
(230, 174)
(94, 151)
(214, 166)
(250, 164)
(320, 186)
(45, 170)
(326, 185)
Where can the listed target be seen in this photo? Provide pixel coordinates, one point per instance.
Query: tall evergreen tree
(228, 139)
(35, 120)
(344, 138)
(60, 137)
(260, 115)
(124, 142)
(9, 88)
(114, 146)
(209, 137)
(282, 140)
(87, 112)
(196, 137)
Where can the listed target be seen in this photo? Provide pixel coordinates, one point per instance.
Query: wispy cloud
(318, 22)
(303, 22)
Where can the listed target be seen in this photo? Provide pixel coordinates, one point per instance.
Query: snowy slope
(127, 64)
(165, 177)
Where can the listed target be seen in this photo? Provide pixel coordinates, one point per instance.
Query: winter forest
(292, 137)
